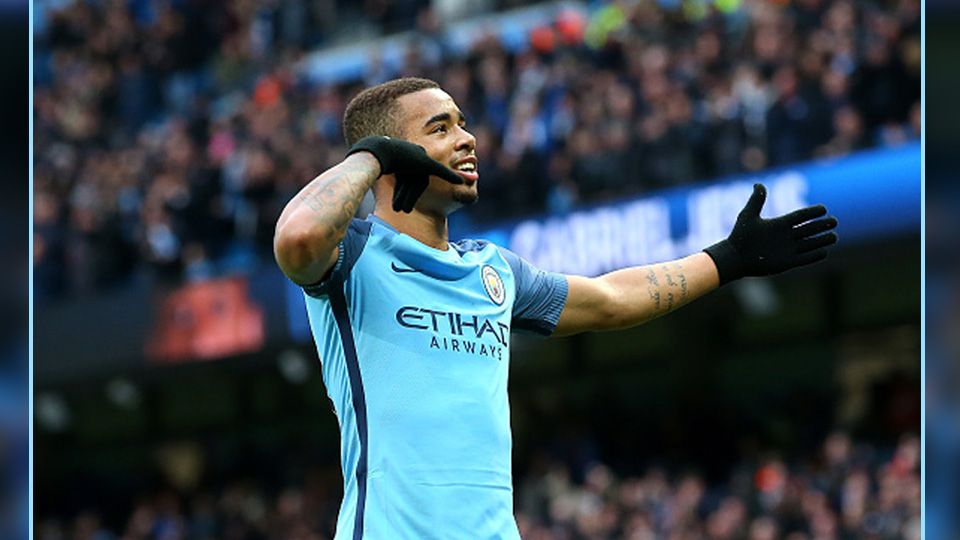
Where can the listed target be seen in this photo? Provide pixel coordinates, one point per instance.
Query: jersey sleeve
(350, 249)
(540, 295)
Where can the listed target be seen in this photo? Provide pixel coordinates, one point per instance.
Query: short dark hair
(373, 111)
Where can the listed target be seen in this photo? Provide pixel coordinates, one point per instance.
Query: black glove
(763, 247)
(409, 163)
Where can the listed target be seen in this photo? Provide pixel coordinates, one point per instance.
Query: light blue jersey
(414, 344)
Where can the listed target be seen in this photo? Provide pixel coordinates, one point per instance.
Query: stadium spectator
(169, 135)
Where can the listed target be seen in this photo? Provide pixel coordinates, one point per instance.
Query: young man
(413, 331)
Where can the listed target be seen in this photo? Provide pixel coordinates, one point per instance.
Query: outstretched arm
(755, 247)
(633, 296)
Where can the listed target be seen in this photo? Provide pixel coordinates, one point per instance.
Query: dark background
(942, 382)
(14, 223)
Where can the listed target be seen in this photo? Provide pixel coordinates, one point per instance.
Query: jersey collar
(451, 248)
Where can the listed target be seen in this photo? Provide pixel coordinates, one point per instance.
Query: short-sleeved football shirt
(414, 344)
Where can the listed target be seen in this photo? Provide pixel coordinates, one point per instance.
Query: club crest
(493, 285)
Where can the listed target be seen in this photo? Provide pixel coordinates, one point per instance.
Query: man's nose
(467, 141)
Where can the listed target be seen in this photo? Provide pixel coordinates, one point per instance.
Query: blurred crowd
(170, 134)
(847, 491)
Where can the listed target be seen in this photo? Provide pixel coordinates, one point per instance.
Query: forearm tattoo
(652, 278)
(654, 293)
(334, 199)
(674, 288)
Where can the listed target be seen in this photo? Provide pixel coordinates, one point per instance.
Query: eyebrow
(444, 117)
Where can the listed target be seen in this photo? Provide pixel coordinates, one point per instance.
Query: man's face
(431, 119)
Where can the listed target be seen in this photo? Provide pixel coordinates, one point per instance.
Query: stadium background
(177, 397)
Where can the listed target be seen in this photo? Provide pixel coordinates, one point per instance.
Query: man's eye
(440, 129)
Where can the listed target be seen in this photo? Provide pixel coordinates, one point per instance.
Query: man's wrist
(379, 147)
(728, 261)
(367, 158)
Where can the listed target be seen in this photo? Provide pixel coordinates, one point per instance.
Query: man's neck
(428, 229)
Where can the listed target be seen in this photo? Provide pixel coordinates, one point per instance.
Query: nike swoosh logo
(399, 270)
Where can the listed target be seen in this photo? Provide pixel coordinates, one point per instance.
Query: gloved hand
(409, 163)
(763, 247)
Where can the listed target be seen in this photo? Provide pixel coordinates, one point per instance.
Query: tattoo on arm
(675, 280)
(335, 199)
(655, 296)
(652, 278)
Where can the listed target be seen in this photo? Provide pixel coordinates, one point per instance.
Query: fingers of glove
(809, 244)
(406, 203)
(811, 257)
(413, 194)
(814, 227)
(408, 198)
(420, 187)
(398, 196)
(439, 169)
(401, 194)
(804, 214)
(755, 204)
(408, 190)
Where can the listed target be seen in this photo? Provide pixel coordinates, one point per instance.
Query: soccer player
(413, 331)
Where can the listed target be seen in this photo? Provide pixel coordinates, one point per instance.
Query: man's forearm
(316, 219)
(646, 292)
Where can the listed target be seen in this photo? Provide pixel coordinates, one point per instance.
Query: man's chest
(462, 307)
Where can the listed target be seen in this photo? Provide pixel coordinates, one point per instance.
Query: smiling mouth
(467, 170)
(469, 177)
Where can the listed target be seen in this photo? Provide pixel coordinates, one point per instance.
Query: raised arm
(755, 247)
(314, 222)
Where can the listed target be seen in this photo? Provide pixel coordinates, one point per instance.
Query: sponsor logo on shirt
(457, 332)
